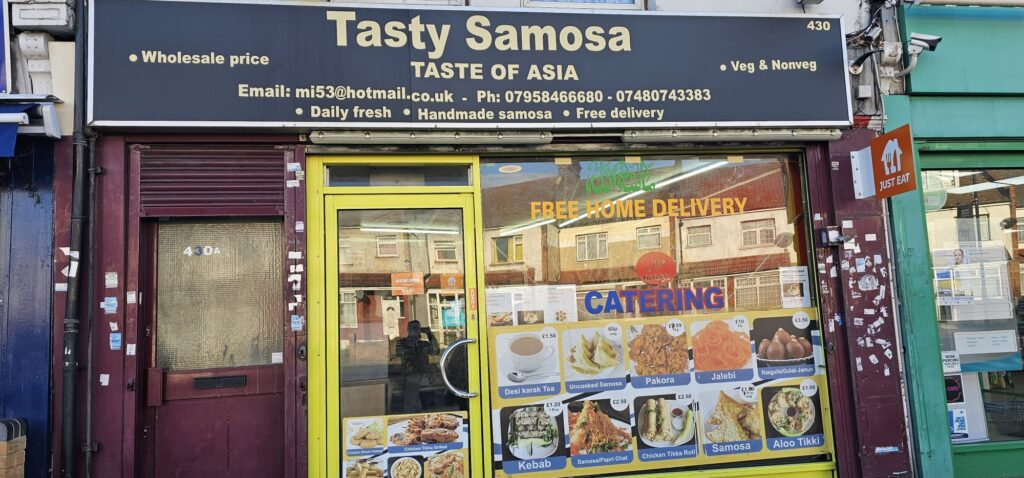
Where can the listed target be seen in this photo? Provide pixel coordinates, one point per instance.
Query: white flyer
(796, 287)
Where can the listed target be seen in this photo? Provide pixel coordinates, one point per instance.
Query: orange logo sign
(892, 162)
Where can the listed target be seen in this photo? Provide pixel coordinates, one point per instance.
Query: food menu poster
(530, 305)
(579, 398)
(426, 445)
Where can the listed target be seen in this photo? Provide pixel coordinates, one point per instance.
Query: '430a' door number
(199, 251)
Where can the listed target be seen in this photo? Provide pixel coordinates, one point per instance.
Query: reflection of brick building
(739, 253)
(366, 260)
(981, 213)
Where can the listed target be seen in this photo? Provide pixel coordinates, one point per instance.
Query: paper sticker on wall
(109, 305)
(115, 341)
(130, 297)
(110, 280)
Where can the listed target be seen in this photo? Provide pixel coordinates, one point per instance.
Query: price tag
(634, 331)
(613, 332)
(809, 388)
(548, 333)
(748, 393)
(675, 327)
(801, 320)
(739, 323)
(553, 409)
(685, 398)
(620, 403)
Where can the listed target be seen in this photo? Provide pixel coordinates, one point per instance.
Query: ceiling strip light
(397, 230)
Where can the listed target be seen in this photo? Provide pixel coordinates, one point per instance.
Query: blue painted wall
(26, 258)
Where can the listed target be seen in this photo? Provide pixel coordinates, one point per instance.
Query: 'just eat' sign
(886, 167)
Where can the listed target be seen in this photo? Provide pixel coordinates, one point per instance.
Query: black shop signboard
(170, 63)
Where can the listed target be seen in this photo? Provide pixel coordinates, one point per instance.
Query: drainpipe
(78, 197)
(90, 298)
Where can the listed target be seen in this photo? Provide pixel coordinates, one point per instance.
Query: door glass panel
(401, 303)
(219, 293)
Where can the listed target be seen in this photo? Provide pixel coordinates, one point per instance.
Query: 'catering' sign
(168, 63)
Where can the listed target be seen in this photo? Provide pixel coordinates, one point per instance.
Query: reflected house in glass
(731, 226)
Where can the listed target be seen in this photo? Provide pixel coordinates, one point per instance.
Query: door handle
(444, 361)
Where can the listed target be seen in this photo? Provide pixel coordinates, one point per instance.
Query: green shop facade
(963, 320)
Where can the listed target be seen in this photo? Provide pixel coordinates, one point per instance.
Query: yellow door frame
(324, 420)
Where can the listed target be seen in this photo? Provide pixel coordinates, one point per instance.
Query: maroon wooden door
(214, 377)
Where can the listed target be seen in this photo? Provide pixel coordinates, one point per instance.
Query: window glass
(444, 251)
(648, 237)
(219, 295)
(624, 337)
(975, 240)
(508, 249)
(387, 246)
(698, 236)
(591, 247)
(758, 233)
(346, 253)
(359, 175)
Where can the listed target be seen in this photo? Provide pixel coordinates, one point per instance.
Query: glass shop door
(402, 352)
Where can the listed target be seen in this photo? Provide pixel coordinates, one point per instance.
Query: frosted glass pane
(219, 293)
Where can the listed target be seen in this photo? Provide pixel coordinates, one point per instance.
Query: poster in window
(975, 301)
(654, 413)
(796, 287)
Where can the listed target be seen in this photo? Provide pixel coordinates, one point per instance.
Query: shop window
(758, 233)
(698, 236)
(345, 253)
(444, 251)
(348, 317)
(600, 284)
(758, 291)
(975, 240)
(592, 247)
(508, 249)
(648, 237)
(387, 246)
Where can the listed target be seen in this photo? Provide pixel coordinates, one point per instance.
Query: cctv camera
(919, 42)
(925, 41)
